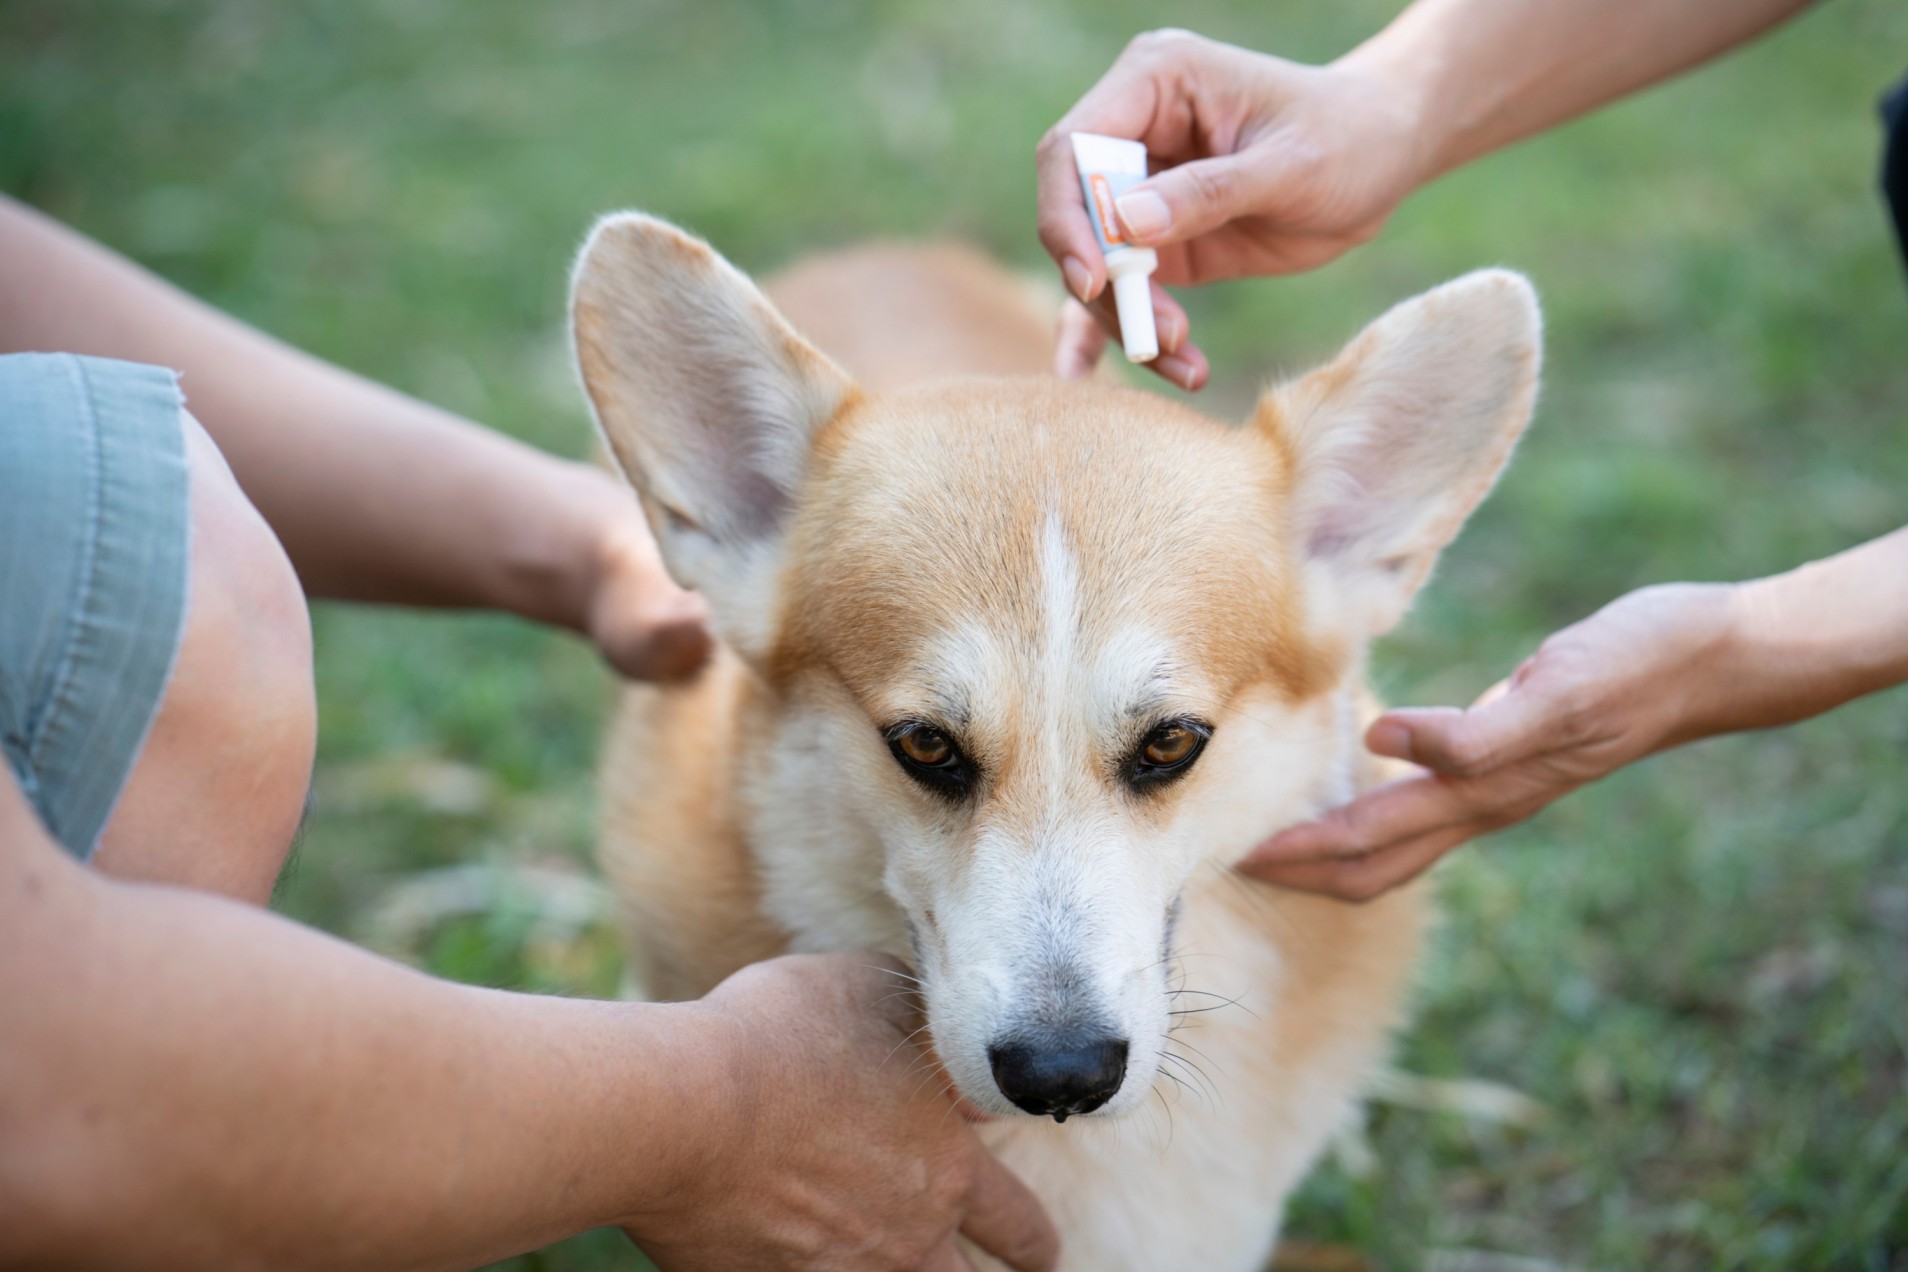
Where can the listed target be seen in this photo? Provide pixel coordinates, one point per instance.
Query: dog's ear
(1393, 444)
(708, 401)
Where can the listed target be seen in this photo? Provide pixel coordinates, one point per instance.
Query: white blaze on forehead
(1059, 601)
(1059, 652)
(1091, 691)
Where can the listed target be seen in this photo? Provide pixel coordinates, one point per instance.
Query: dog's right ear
(708, 400)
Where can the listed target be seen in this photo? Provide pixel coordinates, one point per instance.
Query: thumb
(1006, 1219)
(1187, 201)
(1499, 728)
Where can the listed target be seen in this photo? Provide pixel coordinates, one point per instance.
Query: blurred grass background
(1700, 968)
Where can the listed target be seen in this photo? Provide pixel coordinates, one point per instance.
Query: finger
(1505, 725)
(947, 1257)
(1390, 734)
(1005, 1219)
(1374, 821)
(1169, 320)
(1184, 202)
(1188, 369)
(673, 640)
(1180, 361)
(1362, 879)
(1078, 342)
(1065, 231)
(1185, 369)
(1123, 103)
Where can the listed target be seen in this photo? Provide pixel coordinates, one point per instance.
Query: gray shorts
(94, 539)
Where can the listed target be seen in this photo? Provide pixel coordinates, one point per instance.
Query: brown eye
(1169, 746)
(925, 747)
(930, 757)
(1167, 753)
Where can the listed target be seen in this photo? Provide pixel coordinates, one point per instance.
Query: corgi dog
(1010, 670)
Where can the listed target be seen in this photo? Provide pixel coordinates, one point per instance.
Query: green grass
(1698, 967)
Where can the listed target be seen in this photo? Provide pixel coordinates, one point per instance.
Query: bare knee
(215, 797)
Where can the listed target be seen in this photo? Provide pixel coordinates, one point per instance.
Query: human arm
(1653, 670)
(1274, 167)
(375, 495)
(189, 1082)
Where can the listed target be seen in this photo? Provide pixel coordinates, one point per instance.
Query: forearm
(1816, 637)
(375, 495)
(1486, 73)
(188, 1082)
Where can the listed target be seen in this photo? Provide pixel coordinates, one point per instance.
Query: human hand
(852, 1153)
(646, 626)
(1269, 167)
(1649, 671)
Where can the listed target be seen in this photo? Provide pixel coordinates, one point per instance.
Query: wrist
(707, 1119)
(1738, 674)
(1410, 67)
(554, 571)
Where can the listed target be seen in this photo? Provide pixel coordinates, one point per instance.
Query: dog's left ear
(1391, 446)
(709, 401)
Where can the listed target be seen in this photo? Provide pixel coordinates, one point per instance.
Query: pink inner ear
(1352, 501)
(1397, 440)
(1362, 524)
(706, 395)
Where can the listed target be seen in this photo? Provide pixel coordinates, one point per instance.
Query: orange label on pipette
(1103, 205)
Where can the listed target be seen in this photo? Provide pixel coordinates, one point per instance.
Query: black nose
(1069, 1076)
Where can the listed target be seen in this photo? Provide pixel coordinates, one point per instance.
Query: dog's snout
(1062, 1077)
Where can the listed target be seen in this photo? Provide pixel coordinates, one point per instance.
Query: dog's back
(896, 314)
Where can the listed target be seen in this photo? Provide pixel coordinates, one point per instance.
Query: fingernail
(1172, 332)
(1176, 369)
(1389, 738)
(1144, 214)
(1079, 277)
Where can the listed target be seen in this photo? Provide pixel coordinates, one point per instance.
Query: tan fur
(671, 842)
(893, 316)
(922, 507)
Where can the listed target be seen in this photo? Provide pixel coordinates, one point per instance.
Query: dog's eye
(1169, 745)
(930, 757)
(927, 747)
(1167, 752)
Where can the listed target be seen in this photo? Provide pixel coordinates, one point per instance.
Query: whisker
(953, 1102)
(889, 971)
(1199, 1086)
(1208, 1094)
(1176, 1080)
(1202, 1055)
(904, 1042)
(1168, 1143)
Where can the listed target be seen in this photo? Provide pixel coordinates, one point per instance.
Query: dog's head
(1033, 652)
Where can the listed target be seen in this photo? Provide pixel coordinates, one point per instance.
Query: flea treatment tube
(1109, 167)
